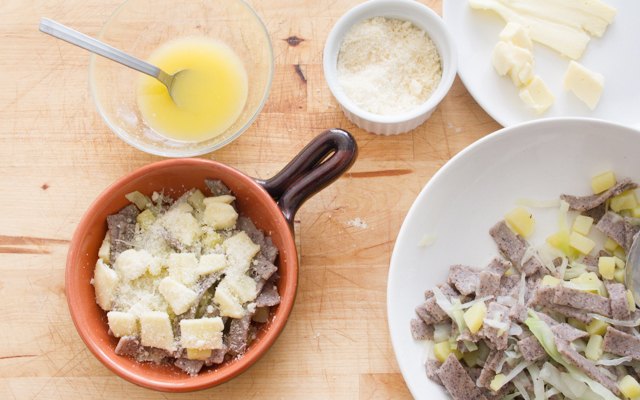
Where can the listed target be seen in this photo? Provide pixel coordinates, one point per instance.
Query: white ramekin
(423, 17)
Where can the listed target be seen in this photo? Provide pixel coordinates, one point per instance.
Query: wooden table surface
(57, 155)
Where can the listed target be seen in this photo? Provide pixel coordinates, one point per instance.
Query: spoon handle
(72, 36)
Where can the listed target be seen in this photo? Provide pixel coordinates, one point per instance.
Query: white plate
(473, 191)
(616, 55)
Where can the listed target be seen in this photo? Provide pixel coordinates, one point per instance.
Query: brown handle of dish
(320, 163)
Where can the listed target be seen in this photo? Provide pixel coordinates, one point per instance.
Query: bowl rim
(75, 303)
(446, 48)
(178, 152)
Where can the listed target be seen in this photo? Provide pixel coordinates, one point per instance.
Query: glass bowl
(141, 26)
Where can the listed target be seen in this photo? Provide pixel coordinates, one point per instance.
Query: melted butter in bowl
(209, 98)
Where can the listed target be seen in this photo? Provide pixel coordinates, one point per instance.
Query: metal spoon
(72, 36)
(632, 274)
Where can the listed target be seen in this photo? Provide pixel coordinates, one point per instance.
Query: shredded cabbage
(538, 384)
(473, 302)
(515, 330)
(617, 322)
(614, 361)
(516, 371)
(568, 386)
(521, 386)
(441, 332)
(500, 326)
(545, 336)
(563, 213)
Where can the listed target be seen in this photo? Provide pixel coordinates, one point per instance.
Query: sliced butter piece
(227, 302)
(242, 286)
(156, 331)
(537, 95)
(183, 267)
(122, 323)
(219, 215)
(179, 297)
(210, 263)
(132, 264)
(225, 198)
(516, 61)
(240, 250)
(584, 83)
(105, 282)
(202, 333)
(564, 39)
(517, 34)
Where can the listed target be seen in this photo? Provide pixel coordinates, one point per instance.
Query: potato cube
(140, 200)
(631, 301)
(228, 304)
(195, 354)
(606, 267)
(551, 281)
(219, 215)
(521, 221)
(582, 224)
(442, 351)
(474, 316)
(629, 387)
(619, 275)
(104, 253)
(498, 382)
(594, 351)
(203, 333)
(210, 263)
(624, 201)
(132, 264)
(581, 243)
(560, 240)
(597, 327)
(195, 200)
(179, 297)
(620, 253)
(620, 264)
(156, 331)
(603, 182)
(610, 245)
(635, 213)
(145, 219)
(105, 281)
(122, 323)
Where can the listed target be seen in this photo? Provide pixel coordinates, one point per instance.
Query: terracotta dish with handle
(271, 204)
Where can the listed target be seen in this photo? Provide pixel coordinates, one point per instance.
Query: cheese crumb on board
(587, 85)
(388, 66)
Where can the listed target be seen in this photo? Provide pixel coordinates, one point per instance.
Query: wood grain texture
(58, 155)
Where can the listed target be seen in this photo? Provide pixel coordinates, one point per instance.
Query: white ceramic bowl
(465, 198)
(421, 16)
